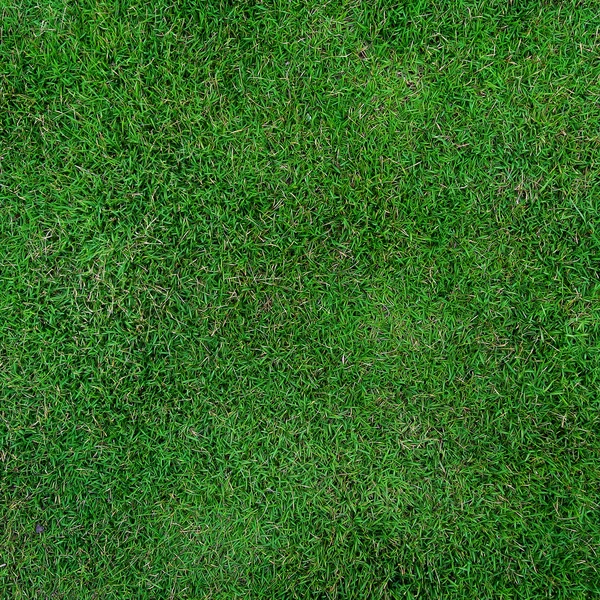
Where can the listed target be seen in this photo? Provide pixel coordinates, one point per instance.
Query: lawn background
(299, 299)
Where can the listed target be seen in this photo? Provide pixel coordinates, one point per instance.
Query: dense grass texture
(299, 299)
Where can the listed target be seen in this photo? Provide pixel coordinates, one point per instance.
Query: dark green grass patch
(299, 299)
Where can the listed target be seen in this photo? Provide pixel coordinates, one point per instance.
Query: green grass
(300, 299)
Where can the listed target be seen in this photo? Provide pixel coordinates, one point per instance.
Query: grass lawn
(300, 299)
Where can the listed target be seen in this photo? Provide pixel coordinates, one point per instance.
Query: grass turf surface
(299, 299)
